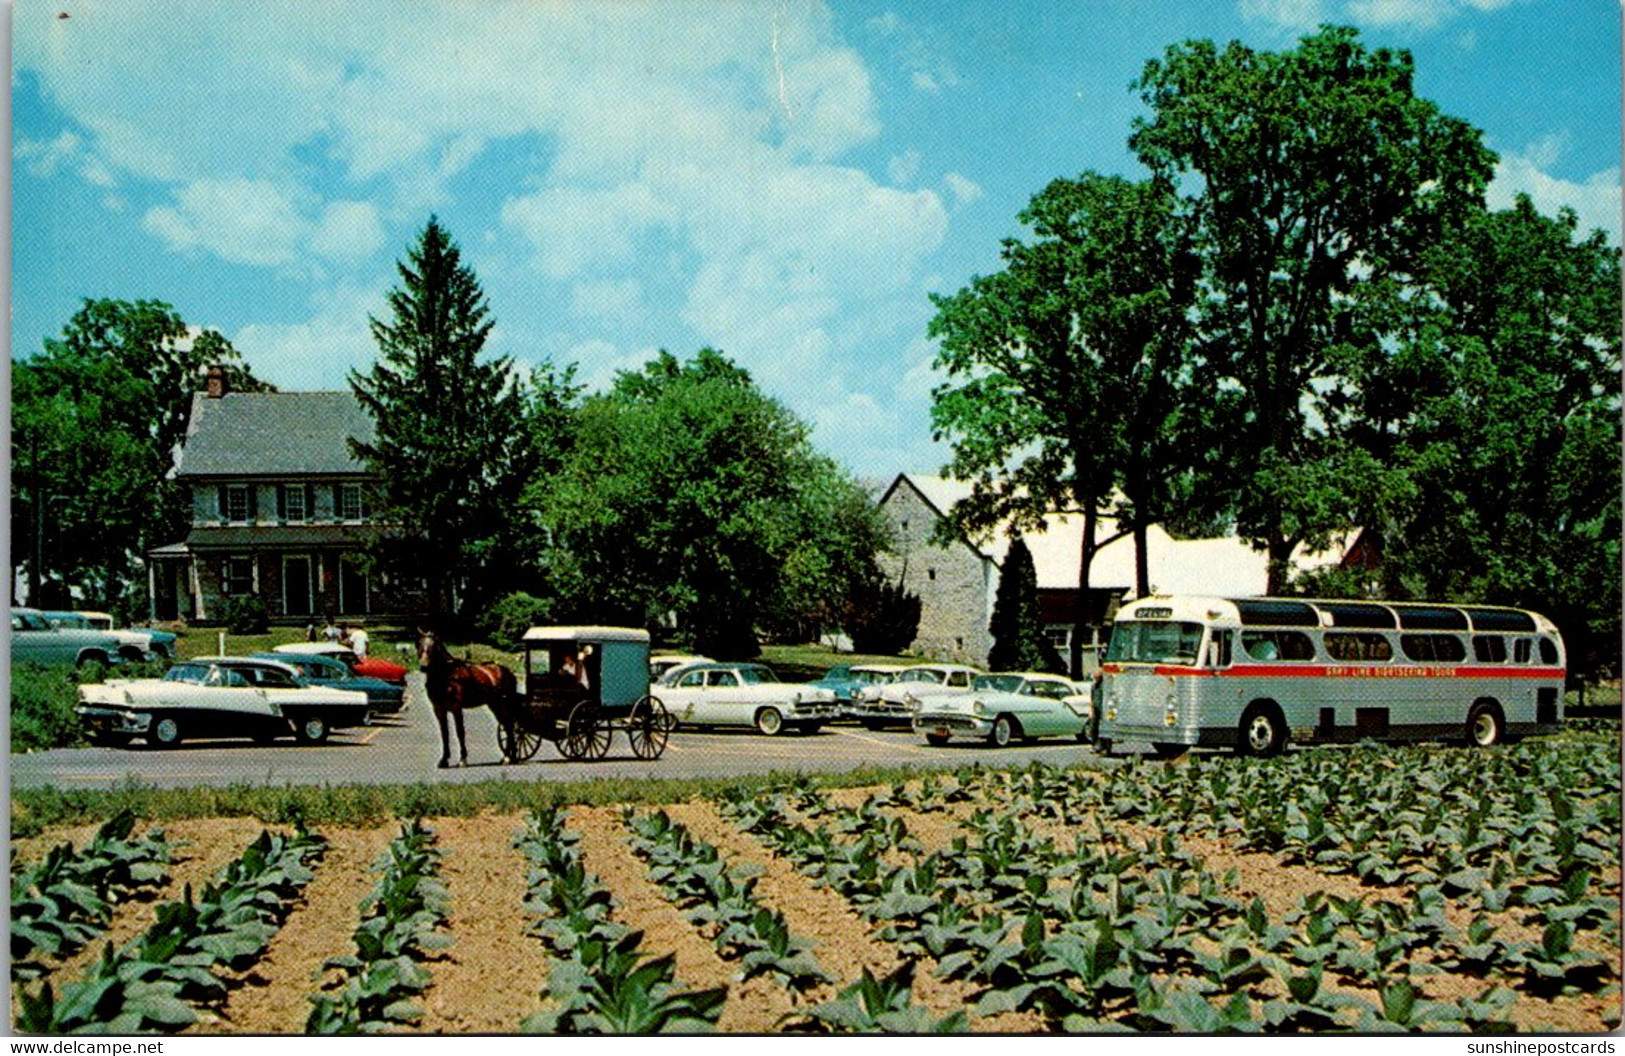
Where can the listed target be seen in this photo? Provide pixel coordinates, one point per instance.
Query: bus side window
(1489, 649)
(1522, 649)
(1218, 650)
(1548, 651)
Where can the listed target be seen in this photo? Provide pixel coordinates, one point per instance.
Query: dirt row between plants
(493, 975)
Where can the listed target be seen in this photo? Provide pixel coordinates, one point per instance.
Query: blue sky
(787, 181)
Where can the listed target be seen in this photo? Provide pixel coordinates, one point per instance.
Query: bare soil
(494, 974)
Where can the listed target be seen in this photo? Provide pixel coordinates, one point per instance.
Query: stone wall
(955, 583)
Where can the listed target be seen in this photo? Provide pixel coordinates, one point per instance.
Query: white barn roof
(1224, 567)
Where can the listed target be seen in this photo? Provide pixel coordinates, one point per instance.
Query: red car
(372, 666)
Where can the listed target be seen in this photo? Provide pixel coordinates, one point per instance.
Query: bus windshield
(1154, 642)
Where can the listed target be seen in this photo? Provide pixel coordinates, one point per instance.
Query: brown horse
(455, 686)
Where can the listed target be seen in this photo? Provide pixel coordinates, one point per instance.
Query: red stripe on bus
(1346, 671)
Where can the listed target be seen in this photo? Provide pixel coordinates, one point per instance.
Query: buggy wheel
(648, 727)
(518, 743)
(586, 736)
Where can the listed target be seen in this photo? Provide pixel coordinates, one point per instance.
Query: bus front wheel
(1262, 731)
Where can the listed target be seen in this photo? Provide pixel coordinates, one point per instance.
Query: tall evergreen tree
(454, 447)
(1018, 632)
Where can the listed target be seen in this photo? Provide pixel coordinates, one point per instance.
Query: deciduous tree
(1311, 176)
(97, 417)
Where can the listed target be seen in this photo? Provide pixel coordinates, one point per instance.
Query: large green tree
(97, 417)
(455, 443)
(1068, 371)
(689, 492)
(1312, 176)
(1499, 398)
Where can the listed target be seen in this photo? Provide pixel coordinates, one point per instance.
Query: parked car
(716, 694)
(372, 666)
(894, 702)
(34, 640)
(385, 698)
(134, 646)
(217, 696)
(664, 664)
(1006, 707)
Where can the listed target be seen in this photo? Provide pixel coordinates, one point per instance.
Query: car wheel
(769, 721)
(312, 729)
(165, 730)
(936, 739)
(1004, 731)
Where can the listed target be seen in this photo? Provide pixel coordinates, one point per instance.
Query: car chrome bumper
(953, 725)
(112, 720)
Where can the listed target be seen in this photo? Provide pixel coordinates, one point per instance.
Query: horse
(455, 686)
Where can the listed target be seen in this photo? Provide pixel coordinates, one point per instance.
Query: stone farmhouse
(957, 583)
(279, 510)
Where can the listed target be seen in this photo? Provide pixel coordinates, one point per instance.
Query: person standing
(358, 642)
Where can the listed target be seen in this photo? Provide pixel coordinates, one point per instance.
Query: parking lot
(405, 749)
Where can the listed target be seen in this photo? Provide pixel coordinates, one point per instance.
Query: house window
(931, 574)
(236, 503)
(293, 502)
(237, 575)
(347, 502)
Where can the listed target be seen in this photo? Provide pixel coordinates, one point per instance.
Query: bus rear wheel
(1262, 731)
(1485, 725)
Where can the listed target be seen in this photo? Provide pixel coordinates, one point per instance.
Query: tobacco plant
(158, 981)
(401, 927)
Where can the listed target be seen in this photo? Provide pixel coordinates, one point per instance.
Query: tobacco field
(1361, 889)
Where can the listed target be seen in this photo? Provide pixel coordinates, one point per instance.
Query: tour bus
(1252, 673)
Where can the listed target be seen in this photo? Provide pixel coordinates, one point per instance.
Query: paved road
(405, 749)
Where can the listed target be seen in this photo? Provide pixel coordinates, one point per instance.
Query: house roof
(274, 433)
(1226, 567)
(243, 537)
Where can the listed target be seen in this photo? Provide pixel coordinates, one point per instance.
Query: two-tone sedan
(218, 696)
(894, 702)
(370, 666)
(720, 694)
(1002, 708)
(385, 698)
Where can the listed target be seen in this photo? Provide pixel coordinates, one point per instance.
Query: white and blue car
(1002, 708)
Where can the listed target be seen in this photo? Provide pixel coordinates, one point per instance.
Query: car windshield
(756, 675)
(921, 674)
(872, 678)
(1154, 642)
(998, 683)
(194, 673)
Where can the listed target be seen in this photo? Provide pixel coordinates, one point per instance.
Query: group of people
(344, 633)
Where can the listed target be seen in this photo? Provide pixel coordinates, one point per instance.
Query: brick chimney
(217, 384)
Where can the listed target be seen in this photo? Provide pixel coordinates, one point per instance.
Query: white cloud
(964, 191)
(318, 352)
(1595, 200)
(1383, 14)
(240, 220)
(613, 299)
(348, 231)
